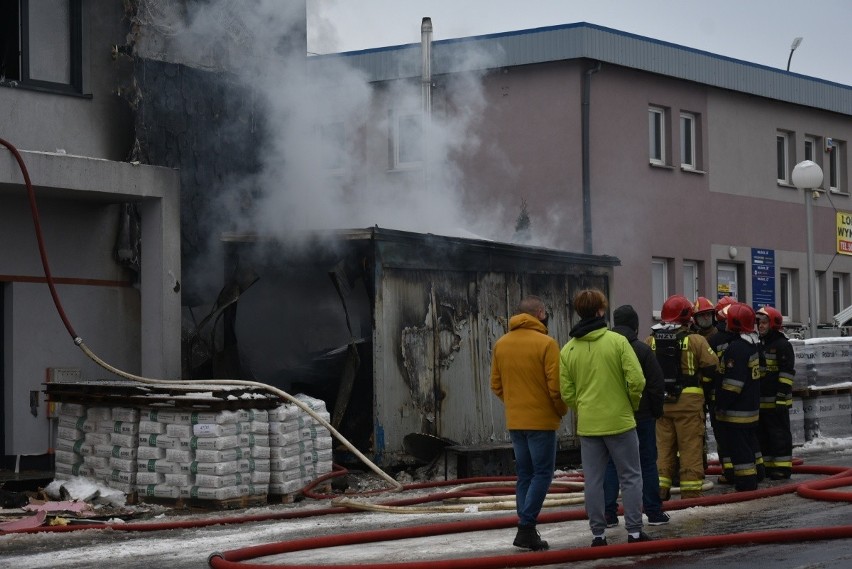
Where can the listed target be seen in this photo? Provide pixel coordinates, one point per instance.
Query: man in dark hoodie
(626, 323)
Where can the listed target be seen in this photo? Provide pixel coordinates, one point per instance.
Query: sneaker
(642, 537)
(529, 538)
(599, 541)
(658, 519)
(611, 520)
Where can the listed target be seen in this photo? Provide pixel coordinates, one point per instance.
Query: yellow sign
(844, 232)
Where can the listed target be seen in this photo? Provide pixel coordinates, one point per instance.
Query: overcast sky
(758, 31)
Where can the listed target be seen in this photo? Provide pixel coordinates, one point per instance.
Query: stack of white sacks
(99, 443)
(300, 446)
(215, 455)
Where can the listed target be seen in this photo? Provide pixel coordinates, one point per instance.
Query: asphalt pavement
(190, 547)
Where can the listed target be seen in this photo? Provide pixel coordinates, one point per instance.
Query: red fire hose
(840, 476)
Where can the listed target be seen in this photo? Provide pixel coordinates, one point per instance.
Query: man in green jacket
(525, 376)
(602, 380)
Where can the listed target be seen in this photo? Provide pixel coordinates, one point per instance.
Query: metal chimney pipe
(426, 88)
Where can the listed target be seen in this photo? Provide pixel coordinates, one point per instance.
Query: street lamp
(793, 47)
(807, 176)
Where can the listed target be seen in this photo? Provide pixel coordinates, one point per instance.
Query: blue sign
(762, 277)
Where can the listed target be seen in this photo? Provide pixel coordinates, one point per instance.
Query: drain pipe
(426, 87)
(587, 190)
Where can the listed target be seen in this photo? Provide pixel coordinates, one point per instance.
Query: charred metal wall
(434, 335)
(423, 312)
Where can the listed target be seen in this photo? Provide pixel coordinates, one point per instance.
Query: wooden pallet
(238, 503)
(817, 391)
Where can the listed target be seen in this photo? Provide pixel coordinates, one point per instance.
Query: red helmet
(720, 306)
(740, 318)
(676, 308)
(702, 304)
(775, 318)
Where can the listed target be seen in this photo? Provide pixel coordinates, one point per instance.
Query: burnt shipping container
(394, 330)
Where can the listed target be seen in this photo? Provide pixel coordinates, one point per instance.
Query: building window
(333, 145)
(657, 135)
(727, 282)
(687, 141)
(837, 292)
(836, 165)
(690, 279)
(785, 296)
(406, 140)
(810, 148)
(782, 141)
(659, 284)
(41, 44)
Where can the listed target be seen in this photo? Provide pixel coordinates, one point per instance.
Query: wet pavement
(190, 548)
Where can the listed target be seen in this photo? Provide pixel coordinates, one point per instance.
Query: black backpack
(667, 347)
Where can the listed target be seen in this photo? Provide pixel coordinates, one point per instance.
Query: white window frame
(835, 156)
(785, 294)
(659, 284)
(688, 122)
(838, 286)
(657, 135)
(332, 141)
(782, 150)
(399, 137)
(811, 149)
(690, 279)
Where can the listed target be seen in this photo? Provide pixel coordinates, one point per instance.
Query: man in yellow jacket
(525, 376)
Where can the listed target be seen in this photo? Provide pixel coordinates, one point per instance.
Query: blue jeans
(651, 503)
(535, 461)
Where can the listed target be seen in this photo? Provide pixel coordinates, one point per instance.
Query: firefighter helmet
(775, 318)
(720, 307)
(740, 318)
(676, 308)
(702, 304)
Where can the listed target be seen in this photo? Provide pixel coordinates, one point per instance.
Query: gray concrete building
(59, 107)
(675, 160)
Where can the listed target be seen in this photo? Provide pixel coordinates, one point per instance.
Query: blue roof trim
(582, 40)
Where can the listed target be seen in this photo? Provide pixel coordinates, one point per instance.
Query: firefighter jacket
(777, 366)
(525, 376)
(738, 395)
(600, 377)
(696, 359)
(718, 343)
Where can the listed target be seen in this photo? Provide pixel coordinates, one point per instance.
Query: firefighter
(684, 357)
(719, 343)
(777, 363)
(703, 317)
(738, 401)
(703, 322)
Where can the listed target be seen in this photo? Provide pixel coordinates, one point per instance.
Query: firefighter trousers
(680, 431)
(776, 441)
(743, 463)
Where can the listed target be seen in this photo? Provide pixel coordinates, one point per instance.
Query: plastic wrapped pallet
(804, 364)
(831, 362)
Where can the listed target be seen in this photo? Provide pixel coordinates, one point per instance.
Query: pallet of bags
(122, 449)
(72, 444)
(300, 446)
